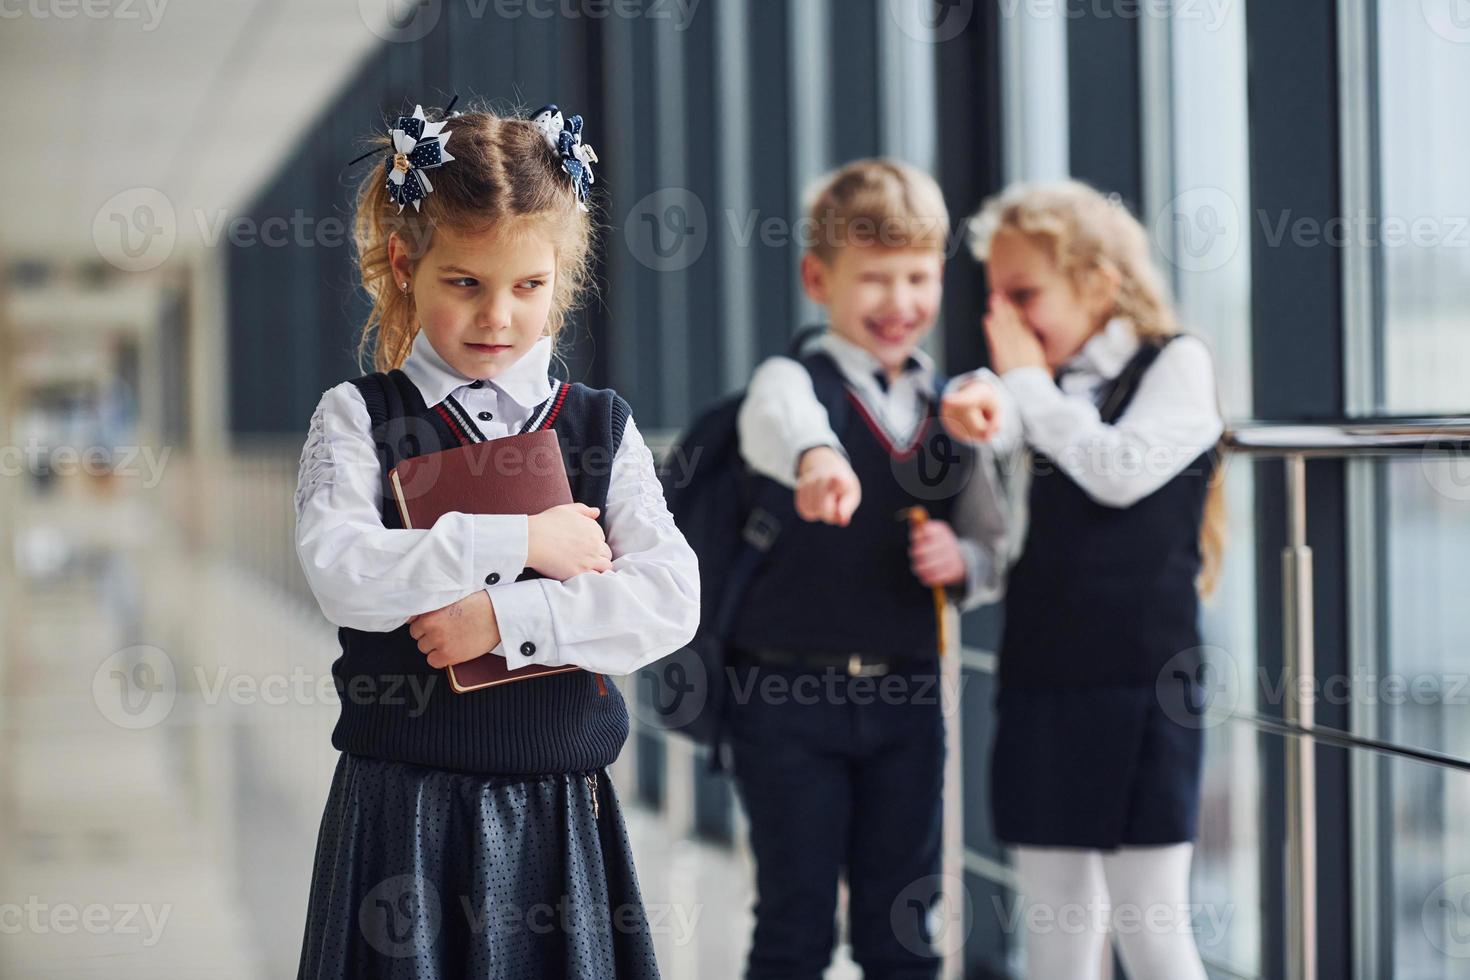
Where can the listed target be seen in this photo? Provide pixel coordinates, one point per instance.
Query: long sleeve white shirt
(1170, 421)
(1172, 418)
(781, 418)
(369, 577)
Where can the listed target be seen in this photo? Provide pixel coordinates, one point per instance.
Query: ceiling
(184, 105)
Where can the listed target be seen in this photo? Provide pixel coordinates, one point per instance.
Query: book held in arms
(520, 474)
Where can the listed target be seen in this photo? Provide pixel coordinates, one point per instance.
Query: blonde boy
(836, 728)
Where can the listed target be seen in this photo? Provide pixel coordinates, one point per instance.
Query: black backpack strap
(827, 380)
(830, 387)
(769, 499)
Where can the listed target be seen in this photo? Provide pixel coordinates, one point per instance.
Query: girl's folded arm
(617, 621)
(370, 577)
(1172, 419)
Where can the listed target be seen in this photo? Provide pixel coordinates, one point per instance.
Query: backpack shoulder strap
(830, 387)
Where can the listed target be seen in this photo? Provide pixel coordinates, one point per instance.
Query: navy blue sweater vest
(826, 589)
(1105, 596)
(394, 705)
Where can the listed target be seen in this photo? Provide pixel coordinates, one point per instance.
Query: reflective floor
(166, 755)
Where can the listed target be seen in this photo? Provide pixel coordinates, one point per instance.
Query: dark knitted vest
(1105, 596)
(394, 705)
(828, 589)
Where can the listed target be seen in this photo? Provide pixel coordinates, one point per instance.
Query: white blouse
(1172, 418)
(781, 418)
(368, 577)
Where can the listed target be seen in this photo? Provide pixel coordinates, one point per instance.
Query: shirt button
(492, 578)
(528, 648)
(486, 416)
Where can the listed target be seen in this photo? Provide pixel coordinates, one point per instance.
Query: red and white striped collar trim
(899, 451)
(545, 414)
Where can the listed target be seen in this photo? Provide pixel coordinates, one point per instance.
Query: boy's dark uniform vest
(394, 705)
(838, 590)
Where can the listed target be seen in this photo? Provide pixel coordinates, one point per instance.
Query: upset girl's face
(483, 300)
(1062, 315)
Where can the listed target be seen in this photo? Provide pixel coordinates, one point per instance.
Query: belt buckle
(855, 667)
(761, 529)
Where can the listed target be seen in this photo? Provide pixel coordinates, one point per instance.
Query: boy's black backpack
(728, 514)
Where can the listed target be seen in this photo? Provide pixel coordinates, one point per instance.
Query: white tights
(1072, 898)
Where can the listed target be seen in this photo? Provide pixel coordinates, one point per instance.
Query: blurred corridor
(160, 822)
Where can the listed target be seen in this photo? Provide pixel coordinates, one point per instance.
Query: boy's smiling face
(483, 300)
(885, 300)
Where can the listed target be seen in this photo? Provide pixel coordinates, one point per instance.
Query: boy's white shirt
(1173, 418)
(780, 418)
(369, 577)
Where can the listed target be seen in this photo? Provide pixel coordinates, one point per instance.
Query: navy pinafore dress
(1096, 746)
(475, 835)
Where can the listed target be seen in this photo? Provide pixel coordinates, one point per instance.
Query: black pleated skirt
(1097, 768)
(431, 874)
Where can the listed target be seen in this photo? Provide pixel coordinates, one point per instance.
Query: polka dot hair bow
(418, 146)
(564, 136)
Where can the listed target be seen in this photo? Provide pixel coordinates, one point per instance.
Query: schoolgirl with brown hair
(477, 834)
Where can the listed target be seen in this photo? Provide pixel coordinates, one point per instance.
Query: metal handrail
(1294, 443)
(1338, 738)
(1341, 438)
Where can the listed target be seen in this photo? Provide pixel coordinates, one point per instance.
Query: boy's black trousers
(841, 774)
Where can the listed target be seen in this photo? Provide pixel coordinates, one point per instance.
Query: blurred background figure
(175, 296)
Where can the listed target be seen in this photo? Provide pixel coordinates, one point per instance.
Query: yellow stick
(917, 516)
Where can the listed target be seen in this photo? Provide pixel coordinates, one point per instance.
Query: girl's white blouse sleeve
(1171, 420)
(364, 575)
(369, 577)
(613, 622)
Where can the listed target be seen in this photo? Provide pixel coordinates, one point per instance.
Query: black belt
(854, 664)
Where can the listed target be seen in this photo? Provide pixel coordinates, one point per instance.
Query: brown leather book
(521, 474)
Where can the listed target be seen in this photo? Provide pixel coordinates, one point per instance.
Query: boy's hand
(826, 487)
(934, 554)
(565, 541)
(460, 631)
(1012, 344)
(972, 411)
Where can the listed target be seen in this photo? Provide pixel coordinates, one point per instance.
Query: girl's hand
(1012, 344)
(567, 540)
(827, 489)
(934, 554)
(971, 412)
(460, 631)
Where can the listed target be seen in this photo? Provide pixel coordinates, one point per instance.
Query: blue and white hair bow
(418, 146)
(565, 137)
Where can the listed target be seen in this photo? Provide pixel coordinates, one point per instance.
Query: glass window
(1203, 231)
(1417, 691)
